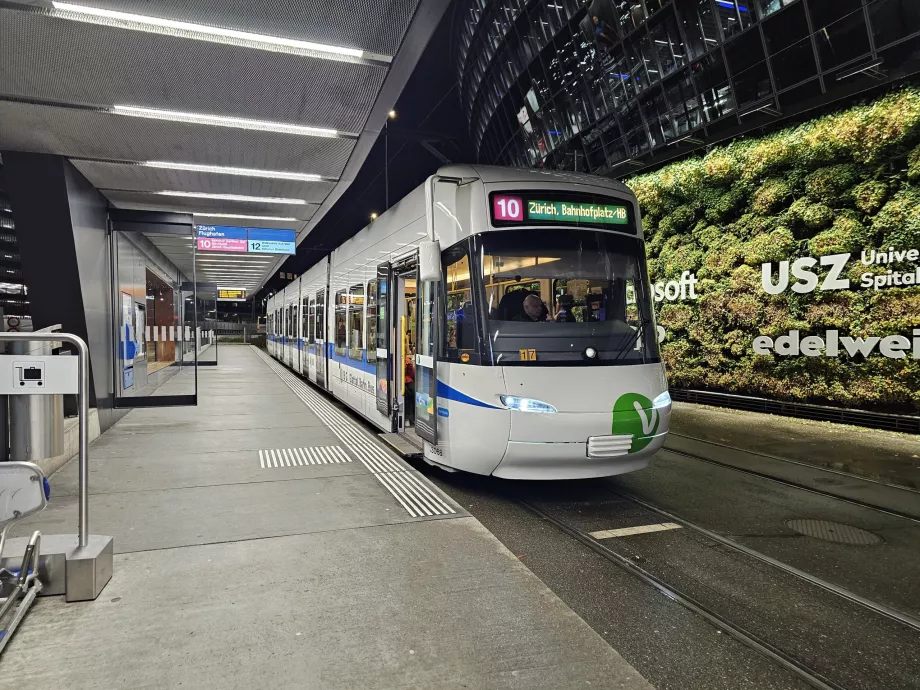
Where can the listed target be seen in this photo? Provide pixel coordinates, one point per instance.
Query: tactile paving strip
(415, 495)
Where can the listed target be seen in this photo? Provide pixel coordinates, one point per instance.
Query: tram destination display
(542, 208)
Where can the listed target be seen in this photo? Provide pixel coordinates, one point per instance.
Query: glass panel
(790, 47)
(577, 287)
(156, 319)
(380, 316)
(672, 54)
(892, 20)
(322, 348)
(356, 322)
(705, 23)
(425, 383)
(341, 329)
(768, 7)
(734, 15)
(460, 333)
(372, 322)
(840, 39)
(632, 14)
(307, 314)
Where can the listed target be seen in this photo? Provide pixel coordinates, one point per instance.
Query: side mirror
(23, 490)
(429, 261)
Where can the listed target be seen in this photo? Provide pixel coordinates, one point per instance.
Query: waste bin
(36, 421)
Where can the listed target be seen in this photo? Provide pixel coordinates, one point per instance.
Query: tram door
(322, 350)
(426, 401)
(381, 314)
(402, 375)
(310, 325)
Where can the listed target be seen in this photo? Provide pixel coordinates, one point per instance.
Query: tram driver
(534, 309)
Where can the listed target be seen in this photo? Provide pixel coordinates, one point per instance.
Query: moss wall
(840, 183)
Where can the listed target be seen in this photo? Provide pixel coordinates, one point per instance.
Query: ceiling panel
(136, 177)
(90, 134)
(376, 25)
(141, 201)
(50, 58)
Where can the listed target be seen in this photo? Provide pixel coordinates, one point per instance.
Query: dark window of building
(768, 7)
(789, 45)
(748, 68)
(699, 26)
(734, 16)
(893, 20)
(840, 30)
(671, 51)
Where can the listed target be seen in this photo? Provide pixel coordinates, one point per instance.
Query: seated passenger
(534, 310)
(564, 307)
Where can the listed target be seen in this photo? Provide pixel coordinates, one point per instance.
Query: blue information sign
(230, 232)
(272, 241)
(231, 238)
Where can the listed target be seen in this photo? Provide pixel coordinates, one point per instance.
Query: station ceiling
(242, 113)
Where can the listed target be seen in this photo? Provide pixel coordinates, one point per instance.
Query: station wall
(788, 266)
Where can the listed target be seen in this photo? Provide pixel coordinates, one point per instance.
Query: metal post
(83, 409)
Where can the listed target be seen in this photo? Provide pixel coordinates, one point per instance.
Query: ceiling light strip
(230, 197)
(227, 121)
(242, 172)
(215, 34)
(209, 214)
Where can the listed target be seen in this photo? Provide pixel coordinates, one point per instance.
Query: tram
(496, 320)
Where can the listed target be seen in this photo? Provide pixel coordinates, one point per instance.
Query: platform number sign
(507, 207)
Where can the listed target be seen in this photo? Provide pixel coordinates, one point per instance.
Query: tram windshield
(568, 297)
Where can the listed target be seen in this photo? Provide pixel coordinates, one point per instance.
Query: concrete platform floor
(233, 573)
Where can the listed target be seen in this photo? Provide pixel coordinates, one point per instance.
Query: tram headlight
(513, 402)
(663, 400)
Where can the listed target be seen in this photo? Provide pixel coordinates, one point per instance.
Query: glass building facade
(613, 86)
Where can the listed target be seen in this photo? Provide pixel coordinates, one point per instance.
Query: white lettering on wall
(673, 290)
(792, 344)
(807, 279)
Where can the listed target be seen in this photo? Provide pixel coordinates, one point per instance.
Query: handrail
(83, 408)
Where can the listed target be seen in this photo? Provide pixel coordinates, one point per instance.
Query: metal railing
(83, 410)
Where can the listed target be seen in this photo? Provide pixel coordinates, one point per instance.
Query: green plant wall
(842, 183)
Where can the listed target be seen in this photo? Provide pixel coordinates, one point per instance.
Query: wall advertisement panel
(788, 267)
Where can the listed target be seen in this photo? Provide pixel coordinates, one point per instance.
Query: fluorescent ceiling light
(224, 121)
(240, 215)
(225, 170)
(234, 197)
(216, 34)
(224, 262)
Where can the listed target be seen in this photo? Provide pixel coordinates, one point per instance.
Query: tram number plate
(528, 355)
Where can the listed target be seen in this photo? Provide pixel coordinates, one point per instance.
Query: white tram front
(495, 320)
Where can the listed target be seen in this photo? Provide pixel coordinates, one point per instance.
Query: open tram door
(383, 327)
(322, 349)
(426, 355)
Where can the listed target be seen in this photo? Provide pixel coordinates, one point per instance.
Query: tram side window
(305, 320)
(309, 320)
(460, 333)
(321, 316)
(356, 322)
(371, 317)
(341, 326)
